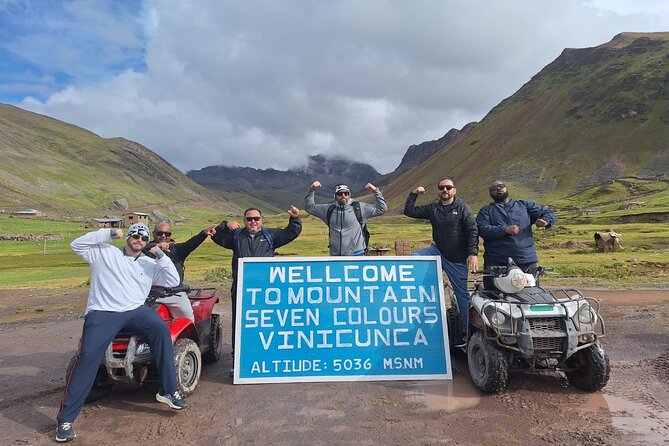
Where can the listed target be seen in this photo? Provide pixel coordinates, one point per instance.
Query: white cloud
(266, 83)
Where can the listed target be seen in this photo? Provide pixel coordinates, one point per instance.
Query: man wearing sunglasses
(506, 228)
(120, 281)
(346, 218)
(455, 238)
(253, 240)
(177, 299)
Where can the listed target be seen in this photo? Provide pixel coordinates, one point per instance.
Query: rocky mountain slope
(589, 117)
(56, 167)
(279, 189)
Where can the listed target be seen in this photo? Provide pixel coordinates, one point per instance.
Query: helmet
(513, 281)
(138, 228)
(341, 187)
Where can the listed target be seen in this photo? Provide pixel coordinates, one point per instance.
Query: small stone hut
(608, 241)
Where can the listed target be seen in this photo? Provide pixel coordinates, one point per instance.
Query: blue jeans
(457, 275)
(100, 328)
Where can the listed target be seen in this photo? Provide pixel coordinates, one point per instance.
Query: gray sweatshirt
(120, 282)
(345, 232)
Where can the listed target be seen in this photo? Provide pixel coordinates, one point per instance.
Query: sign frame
(432, 263)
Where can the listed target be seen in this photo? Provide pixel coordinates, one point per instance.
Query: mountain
(591, 116)
(418, 153)
(59, 168)
(275, 190)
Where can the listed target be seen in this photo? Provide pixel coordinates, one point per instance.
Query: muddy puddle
(645, 422)
(449, 396)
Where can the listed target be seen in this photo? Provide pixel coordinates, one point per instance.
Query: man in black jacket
(178, 303)
(455, 238)
(253, 240)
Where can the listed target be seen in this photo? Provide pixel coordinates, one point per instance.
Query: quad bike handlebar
(158, 292)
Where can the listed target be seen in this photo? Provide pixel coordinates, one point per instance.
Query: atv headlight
(497, 319)
(586, 315)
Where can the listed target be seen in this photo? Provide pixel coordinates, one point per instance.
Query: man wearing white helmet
(120, 281)
(346, 218)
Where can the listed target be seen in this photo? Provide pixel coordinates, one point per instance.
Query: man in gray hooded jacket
(346, 229)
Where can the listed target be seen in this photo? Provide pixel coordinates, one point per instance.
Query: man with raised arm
(346, 218)
(455, 239)
(120, 282)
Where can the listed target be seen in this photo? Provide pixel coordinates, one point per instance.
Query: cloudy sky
(265, 83)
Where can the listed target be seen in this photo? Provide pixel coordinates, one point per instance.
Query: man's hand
(155, 249)
(293, 211)
(232, 225)
(315, 185)
(540, 223)
(419, 190)
(210, 231)
(164, 246)
(473, 263)
(118, 233)
(512, 230)
(370, 187)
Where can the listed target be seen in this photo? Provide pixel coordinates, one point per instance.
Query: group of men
(122, 278)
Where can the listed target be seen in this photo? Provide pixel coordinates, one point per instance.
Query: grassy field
(568, 248)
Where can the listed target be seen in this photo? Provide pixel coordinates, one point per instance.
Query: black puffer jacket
(453, 227)
(243, 244)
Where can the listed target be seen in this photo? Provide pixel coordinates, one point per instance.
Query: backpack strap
(331, 209)
(358, 212)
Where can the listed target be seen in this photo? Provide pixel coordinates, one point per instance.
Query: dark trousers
(100, 328)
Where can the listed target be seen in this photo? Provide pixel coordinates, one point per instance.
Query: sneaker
(64, 432)
(175, 400)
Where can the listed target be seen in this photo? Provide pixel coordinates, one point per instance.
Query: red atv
(128, 362)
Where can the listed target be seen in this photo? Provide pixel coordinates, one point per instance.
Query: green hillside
(592, 116)
(65, 170)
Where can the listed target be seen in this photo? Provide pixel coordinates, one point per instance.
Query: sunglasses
(342, 193)
(163, 233)
(143, 237)
(495, 188)
(447, 187)
(249, 219)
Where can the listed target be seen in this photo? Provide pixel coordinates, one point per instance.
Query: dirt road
(535, 410)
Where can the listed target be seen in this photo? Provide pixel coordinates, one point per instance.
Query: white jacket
(120, 282)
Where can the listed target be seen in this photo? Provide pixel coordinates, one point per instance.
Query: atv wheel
(215, 340)
(591, 368)
(101, 385)
(188, 364)
(488, 366)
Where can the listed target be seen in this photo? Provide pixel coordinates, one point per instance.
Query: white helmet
(138, 228)
(512, 282)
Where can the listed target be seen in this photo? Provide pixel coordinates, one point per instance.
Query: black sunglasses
(252, 218)
(494, 188)
(446, 186)
(342, 193)
(143, 237)
(163, 233)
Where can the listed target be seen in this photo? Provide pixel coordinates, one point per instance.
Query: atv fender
(182, 327)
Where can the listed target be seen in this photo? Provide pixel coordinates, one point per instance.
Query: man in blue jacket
(506, 228)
